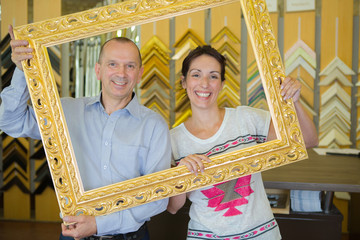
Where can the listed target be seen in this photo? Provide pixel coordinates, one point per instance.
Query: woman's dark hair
(201, 50)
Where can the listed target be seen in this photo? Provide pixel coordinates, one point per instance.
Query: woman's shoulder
(247, 110)
(176, 130)
(248, 114)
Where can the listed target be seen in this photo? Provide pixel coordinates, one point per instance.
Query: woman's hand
(291, 88)
(194, 162)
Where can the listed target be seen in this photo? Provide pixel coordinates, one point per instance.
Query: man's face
(119, 71)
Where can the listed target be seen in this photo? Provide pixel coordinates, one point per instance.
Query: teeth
(203, 94)
(119, 80)
(119, 83)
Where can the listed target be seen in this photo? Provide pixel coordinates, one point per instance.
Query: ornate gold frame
(72, 199)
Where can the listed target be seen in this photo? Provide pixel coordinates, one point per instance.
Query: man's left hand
(80, 227)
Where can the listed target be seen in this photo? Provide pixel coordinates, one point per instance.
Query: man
(114, 137)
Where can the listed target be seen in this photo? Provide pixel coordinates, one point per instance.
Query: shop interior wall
(319, 47)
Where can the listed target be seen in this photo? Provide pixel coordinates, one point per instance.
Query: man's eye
(112, 64)
(131, 66)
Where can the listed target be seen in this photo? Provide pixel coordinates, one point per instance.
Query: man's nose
(121, 70)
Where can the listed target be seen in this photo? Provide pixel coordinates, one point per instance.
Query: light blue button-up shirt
(130, 142)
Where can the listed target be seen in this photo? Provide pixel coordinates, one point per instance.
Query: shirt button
(106, 143)
(105, 167)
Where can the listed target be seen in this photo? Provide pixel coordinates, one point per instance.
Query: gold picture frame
(72, 199)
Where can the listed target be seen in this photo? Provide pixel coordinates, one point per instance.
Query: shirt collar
(93, 100)
(133, 107)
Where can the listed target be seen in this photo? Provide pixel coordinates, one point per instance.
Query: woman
(237, 209)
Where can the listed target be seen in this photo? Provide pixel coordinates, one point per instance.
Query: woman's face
(203, 82)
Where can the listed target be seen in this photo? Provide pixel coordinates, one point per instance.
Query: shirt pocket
(127, 162)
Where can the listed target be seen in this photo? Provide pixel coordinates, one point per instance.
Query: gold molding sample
(72, 199)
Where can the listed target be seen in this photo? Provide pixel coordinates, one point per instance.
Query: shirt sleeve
(17, 118)
(130, 220)
(174, 152)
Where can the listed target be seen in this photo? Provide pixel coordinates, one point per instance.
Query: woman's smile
(202, 94)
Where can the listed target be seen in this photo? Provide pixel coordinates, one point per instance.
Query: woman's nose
(204, 81)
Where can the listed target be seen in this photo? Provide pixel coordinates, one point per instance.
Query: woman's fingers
(194, 163)
(291, 88)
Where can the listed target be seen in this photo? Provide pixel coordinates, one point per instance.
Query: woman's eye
(195, 75)
(214, 77)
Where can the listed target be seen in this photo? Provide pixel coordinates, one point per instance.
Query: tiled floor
(18, 230)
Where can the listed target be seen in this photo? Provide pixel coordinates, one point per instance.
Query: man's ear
(183, 82)
(97, 71)
(141, 71)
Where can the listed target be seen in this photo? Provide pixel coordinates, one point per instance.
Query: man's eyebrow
(131, 62)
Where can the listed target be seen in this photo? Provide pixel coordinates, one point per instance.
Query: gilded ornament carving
(72, 198)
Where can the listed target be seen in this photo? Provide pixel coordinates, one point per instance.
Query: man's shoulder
(78, 101)
(148, 114)
(76, 106)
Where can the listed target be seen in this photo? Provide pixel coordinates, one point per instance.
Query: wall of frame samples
(319, 43)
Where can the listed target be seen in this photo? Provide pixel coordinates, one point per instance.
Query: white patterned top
(237, 209)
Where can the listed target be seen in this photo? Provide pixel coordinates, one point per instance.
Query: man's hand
(80, 227)
(19, 50)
